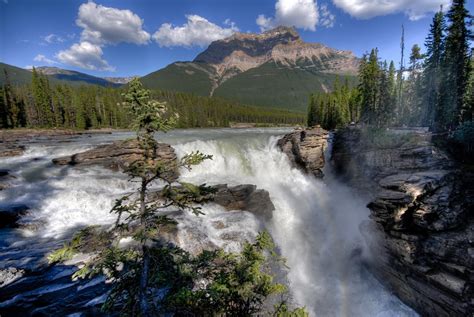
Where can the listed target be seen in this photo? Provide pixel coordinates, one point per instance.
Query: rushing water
(315, 224)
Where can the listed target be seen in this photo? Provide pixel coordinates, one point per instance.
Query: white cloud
(29, 67)
(366, 9)
(43, 59)
(302, 14)
(53, 38)
(85, 55)
(327, 18)
(104, 25)
(197, 31)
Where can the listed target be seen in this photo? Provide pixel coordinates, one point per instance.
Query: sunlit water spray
(315, 224)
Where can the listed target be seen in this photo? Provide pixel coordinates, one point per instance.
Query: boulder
(10, 275)
(422, 203)
(119, 155)
(8, 149)
(245, 197)
(305, 149)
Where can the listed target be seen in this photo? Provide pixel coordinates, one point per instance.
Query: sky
(135, 37)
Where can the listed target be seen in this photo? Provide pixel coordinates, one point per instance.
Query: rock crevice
(421, 207)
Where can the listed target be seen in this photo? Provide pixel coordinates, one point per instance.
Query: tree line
(41, 105)
(435, 90)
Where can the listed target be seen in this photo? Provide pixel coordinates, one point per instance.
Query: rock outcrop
(305, 149)
(245, 197)
(422, 204)
(119, 155)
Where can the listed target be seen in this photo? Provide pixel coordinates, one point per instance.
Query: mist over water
(315, 224)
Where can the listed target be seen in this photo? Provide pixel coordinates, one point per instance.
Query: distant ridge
(21, 76)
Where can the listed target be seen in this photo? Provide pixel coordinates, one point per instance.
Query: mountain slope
(20, 76)
(74, 77)
(275, 68)
(16, 75)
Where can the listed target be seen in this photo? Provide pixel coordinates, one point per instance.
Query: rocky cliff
(422, 203)
(305, 149)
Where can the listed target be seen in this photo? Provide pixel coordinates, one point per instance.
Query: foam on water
(315, 224)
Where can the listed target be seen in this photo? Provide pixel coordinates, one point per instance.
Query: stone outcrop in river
(422, 203)
(120, 155)
(305, 149)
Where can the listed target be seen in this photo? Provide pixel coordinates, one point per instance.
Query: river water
(315, 224)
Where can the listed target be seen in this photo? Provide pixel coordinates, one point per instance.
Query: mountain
(73, 76)
(120, 80)
(21, 76)
(275, 68)
(16, 75)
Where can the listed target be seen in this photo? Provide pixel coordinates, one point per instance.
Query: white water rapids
(315, 224)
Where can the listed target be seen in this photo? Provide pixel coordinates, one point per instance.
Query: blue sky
(125, 37)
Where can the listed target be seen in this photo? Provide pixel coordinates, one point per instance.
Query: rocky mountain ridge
(282, 46)
(274, 68)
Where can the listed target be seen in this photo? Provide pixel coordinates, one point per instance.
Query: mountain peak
(251, 44)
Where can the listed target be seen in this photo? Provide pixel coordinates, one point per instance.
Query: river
(315, 224)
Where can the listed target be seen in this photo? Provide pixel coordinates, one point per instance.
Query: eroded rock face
(422, 203)
(305, 149)
(119, 155)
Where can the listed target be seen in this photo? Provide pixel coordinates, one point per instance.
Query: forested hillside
(273, 69)
(435, 89)
(42, 104)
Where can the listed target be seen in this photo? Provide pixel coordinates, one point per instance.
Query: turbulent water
(315, 224)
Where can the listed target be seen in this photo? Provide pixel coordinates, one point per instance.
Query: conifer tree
(432, 73)
(455, 68)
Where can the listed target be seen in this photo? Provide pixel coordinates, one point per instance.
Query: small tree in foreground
(151, 277)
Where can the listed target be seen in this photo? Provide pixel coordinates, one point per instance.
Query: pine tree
(432, 73)
(455, 68)
(369, 76)
(411, 112)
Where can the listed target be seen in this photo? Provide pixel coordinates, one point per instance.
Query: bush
(464, 136)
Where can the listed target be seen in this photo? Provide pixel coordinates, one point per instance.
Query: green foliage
(456, 68)
(269, 85)
(86, 107)
(464, 137)
(335, 109)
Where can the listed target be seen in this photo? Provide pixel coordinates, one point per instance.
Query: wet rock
(305, 149)
(245, 197)
(422, 203)
(8, 149)
(10, 275)
(10, 214)
(119, 155)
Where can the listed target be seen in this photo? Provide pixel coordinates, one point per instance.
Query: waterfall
(315, 224)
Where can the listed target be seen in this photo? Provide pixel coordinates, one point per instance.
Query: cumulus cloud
(43, 59)
(366, 9)
(85, 55)
(302, 14)
(197, 31)
(104, 25)
(327, 19)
